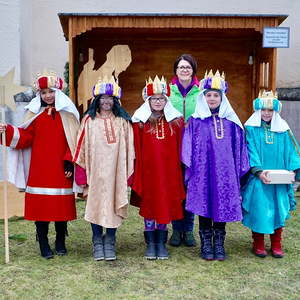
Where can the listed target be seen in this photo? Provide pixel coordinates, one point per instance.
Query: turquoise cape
(267, 206)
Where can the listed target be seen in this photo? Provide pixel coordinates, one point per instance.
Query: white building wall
(43, 44)
(10, 37)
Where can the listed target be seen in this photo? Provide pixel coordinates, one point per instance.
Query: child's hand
(264, 177)
(68, 174)
(2, 127)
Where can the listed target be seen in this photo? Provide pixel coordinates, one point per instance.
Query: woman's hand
(2, 127)
(263, 176)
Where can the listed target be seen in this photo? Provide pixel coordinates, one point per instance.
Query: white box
(280, 176)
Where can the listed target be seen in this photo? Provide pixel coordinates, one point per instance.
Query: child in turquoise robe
(271, 146)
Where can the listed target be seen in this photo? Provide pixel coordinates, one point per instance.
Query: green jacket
(186, 105)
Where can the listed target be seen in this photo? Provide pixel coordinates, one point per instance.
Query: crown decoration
(267, 100)
(47, 80)
(106, 86)
(211, 81)
(156, 86)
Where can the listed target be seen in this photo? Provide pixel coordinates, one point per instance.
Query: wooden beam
(273, 70)
(71, 62)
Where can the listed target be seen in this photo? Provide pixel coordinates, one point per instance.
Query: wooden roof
(74, 24)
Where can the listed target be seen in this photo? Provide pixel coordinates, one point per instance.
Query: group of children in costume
(183, 152)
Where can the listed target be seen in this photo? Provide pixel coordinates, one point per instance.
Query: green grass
(183, 276)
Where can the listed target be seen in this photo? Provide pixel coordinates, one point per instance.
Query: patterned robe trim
(291, 135)
(48, 191)
(80, 140)
(109, 131)
(15, 138)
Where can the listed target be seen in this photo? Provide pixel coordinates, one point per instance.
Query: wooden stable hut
(150, 43)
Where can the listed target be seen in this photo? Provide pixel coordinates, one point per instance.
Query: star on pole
(8, 89)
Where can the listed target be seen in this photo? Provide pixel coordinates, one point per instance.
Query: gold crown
(217, 74)
(156, 86)
(263, 94)
(107, 86)
(214, 81)
(47, 79)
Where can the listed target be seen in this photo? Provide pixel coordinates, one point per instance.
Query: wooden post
(3, 136)
(273, 70)
(71, 62)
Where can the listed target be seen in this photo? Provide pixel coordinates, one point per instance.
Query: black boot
(150, 252)
(161, 237)
(61, 232)
(42, 237)
(219, 238)
(206, 250)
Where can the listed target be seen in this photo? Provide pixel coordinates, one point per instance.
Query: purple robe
(214, 168)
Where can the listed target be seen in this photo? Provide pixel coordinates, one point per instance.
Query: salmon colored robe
(105, 150)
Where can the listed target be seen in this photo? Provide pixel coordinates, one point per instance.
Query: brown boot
(276, 248)
(259, 245)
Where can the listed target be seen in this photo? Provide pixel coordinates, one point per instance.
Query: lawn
(183, 276)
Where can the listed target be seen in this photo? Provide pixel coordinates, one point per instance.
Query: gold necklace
(221, 136)
(160, 134)
(269, 135)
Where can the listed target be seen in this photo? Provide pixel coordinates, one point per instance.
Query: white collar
(226, 111)
(277, 123)
(62, 102)
(143, 113)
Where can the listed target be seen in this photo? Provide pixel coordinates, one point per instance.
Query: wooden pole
(2, 102)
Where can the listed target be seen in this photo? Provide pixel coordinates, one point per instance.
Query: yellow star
(8, 89)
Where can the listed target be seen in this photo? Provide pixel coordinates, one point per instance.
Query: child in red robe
(157, 187)
(41, 160)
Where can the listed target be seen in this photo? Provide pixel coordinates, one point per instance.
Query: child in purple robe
(215, 155)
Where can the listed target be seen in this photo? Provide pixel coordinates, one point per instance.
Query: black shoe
(206, 249)
(42, 237)
(176, 238)
(150, 252)
(188, 239)
(219, 250)
(160, 242)
(61, 231)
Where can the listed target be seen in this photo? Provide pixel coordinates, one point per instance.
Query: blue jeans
(185, 224)
(98, 231)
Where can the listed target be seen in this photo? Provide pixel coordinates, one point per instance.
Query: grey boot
(110, 247)
(150, 252)
(98, 250)
(161, 239)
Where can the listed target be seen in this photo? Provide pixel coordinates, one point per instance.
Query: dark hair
(213, 90)
(117, 109)
(188, 58)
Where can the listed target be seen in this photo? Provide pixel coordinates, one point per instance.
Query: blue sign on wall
(276, 37)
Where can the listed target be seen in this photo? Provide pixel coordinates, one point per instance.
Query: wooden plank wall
(154, 53)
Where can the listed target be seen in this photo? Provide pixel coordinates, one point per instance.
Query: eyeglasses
(159, 99)
(185, 68)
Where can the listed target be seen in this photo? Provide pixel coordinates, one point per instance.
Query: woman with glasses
(157, 186)
(184, 92)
